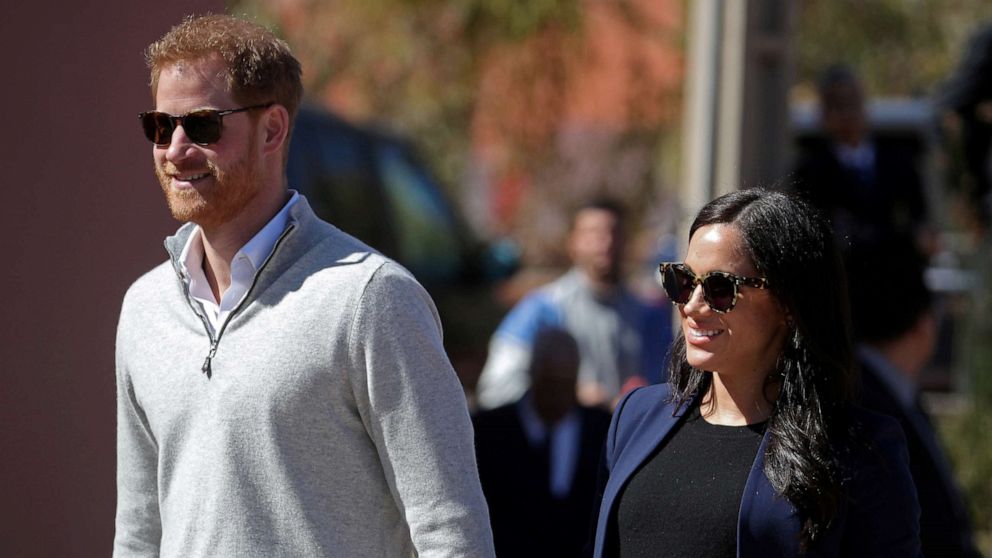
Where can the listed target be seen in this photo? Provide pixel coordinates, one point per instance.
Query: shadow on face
(843, 113)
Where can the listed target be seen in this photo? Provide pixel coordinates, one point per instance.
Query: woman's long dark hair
(793, 247)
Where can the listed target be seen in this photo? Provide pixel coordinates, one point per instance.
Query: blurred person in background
(282, 389)
(968, 96)
(896, 328)
(622, 340)
(966, 102)
(753, 448)
(869, 187)
(538, 457)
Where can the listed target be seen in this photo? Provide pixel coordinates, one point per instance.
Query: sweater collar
(301, 216)
(300, 213)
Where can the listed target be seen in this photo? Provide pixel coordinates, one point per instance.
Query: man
(965, 101)
(539, 457)
(282, 388)
(897, 332)
(869, 186)
(621, 340)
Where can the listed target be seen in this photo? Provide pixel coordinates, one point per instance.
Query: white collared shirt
(244, 266)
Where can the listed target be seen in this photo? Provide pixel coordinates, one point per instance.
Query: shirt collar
(192, 255)
(535, 429)
(901, 387)
(261, 245)
(606, 295)
(858, 156)
(256, 249)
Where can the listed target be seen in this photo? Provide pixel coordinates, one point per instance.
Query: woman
(752, 447)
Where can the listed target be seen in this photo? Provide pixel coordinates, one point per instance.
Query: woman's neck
(734, 402)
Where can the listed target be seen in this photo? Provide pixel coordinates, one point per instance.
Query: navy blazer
(526, 519)
(945, 529)
(879, 517)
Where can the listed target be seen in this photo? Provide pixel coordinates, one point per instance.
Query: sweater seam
(359, 306)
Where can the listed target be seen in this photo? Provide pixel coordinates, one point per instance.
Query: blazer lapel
(638, 440)
(639, 444)
(767, 523)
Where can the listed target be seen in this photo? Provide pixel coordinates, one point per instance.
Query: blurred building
(83, 217)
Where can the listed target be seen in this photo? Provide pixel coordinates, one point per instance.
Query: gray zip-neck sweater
(323, 419)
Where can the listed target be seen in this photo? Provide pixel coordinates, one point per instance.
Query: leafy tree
(900, 47)
(504, 96)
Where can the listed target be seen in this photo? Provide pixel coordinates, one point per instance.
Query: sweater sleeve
(414, 409)
(138, 528)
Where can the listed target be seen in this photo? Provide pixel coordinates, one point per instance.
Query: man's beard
(219, 202)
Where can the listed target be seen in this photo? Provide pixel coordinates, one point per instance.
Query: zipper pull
(206, 363)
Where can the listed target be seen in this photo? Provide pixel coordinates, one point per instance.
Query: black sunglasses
(202, 126)
(720, 289)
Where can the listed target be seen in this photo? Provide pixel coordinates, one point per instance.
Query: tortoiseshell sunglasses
(720, 289)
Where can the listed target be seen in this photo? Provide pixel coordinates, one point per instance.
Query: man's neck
(217, 256)
(853, 143)
(900, 355)
(602, 286)
(222, 242)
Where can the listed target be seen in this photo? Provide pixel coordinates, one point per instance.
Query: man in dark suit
(869, 186)
(896, 329)
(538, 457)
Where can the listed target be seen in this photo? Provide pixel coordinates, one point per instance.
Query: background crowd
(904, 182)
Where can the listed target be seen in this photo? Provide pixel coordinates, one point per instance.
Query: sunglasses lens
(720, 292)
(202, 126)
(678, 284)
(157, 127)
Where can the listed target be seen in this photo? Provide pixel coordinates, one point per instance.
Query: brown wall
(82, 217)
